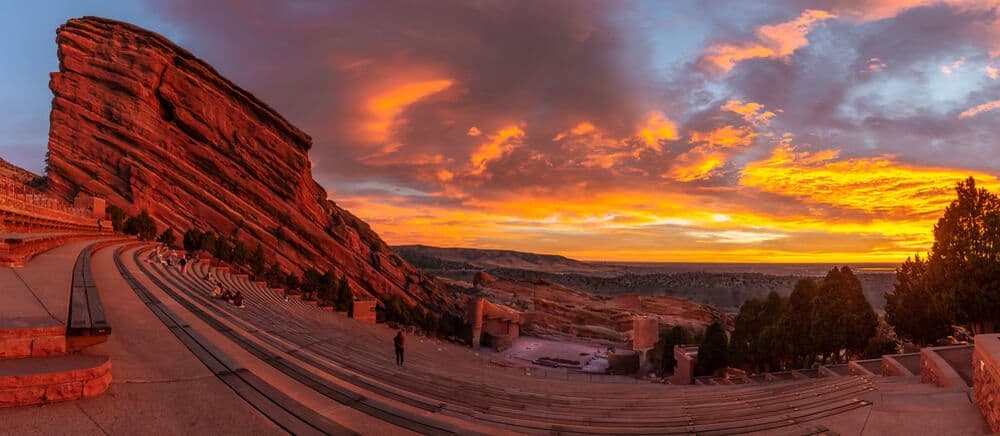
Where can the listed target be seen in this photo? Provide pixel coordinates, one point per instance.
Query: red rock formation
(557, 312)
(147, 125)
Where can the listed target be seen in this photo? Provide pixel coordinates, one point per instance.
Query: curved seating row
(283, 410)
(311, 340)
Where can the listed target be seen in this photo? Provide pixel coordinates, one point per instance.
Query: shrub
(167, 237)
(141, 225)
(192, 240)
(712, 350)
(117, 215)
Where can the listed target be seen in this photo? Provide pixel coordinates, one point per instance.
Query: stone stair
(38, 359)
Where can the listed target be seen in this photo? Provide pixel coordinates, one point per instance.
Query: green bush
(117, 215)
(167, 237)
(141, 225)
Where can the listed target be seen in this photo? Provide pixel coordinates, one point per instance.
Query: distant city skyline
(687, 131)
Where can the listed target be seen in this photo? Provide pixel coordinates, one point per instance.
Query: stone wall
(986, 378)
(936, 371)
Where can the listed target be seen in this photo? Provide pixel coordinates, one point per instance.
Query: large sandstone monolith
(142, 122)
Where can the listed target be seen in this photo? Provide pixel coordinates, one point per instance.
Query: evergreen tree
(345, 296)
(753, 343)
(167, 237)
(117, 215)
(141, 225)
(796, 324)
(713, 350)
(677, 335)
(192, 240)
(843, 320)
(311, 281)
(241, 255)
(258, 264)
(965, 259)
(209, 243)
(913, 308)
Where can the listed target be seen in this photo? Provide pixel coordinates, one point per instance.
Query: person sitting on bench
(217, 292)
(238, 299)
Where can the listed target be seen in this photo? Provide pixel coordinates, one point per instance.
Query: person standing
(399, 342)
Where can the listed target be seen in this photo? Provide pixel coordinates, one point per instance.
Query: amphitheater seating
(298, 338)
(87, 324)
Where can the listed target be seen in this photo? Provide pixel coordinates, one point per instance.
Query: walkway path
(159, 387)
(37, 295)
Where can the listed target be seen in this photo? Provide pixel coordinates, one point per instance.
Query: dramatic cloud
(775, 41)
(626, 129)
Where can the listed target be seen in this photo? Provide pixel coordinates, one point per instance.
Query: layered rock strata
(147, 125)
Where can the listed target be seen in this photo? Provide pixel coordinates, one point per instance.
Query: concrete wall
(364, 311)
(686, 360)
(645, 333)
(986, 378)
(936, 371)
(893, 368)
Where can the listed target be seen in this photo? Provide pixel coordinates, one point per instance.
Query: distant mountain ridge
(724, 286)
(424, 256)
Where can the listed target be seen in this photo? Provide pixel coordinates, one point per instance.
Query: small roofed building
(94, 206)
(500, 324)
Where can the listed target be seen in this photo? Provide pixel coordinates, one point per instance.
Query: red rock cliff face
(144, 123)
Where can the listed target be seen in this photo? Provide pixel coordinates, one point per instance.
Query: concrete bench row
(20, 216)
(280, 408)
(16, 251)
(87, 322)
(491, 400)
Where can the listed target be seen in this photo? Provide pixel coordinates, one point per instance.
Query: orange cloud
(656, 128)
(383, 109)
(605, 151)
(877, 185)
(753, 113)
(985, 107)
(499, 145)
(696, 164)
(725, 137)
(775, 41)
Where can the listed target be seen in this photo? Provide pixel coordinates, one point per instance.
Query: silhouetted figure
(184, 264)
(399, 342)
(238, 299)
(100, 225)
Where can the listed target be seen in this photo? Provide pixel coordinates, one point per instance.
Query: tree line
(826, 321)
(958, 282)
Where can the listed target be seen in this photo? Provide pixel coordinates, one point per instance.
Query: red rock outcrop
(557, 312)
(146, 124)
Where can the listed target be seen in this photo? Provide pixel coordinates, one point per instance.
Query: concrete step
(49, 379)
(31, 337)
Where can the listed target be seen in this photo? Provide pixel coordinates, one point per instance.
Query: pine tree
(914, 309)
(713, 350)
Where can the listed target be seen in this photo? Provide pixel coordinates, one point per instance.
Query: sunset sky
(802, 131)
